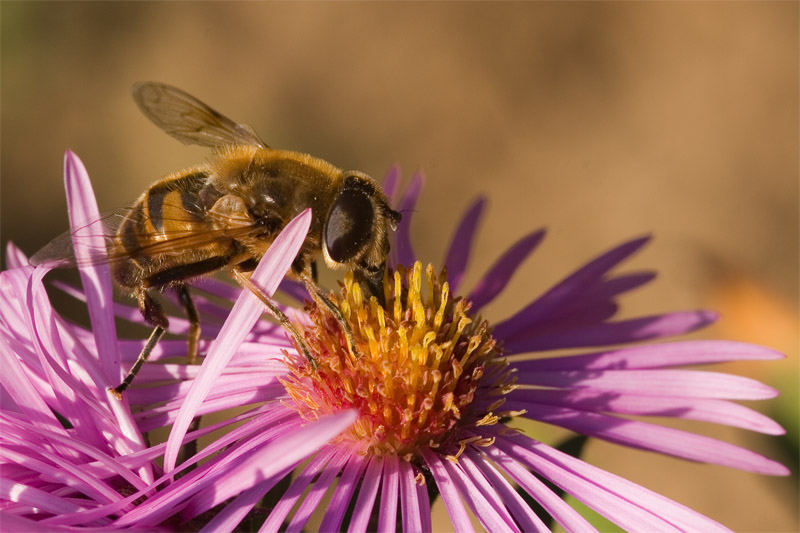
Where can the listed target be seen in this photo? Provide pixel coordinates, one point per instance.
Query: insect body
(224, 214)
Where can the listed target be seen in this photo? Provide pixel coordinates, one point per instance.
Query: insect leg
(322, 300)
(152, 312)
(193, 337)
(274, 310)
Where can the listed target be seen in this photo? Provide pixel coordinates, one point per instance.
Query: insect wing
(188, 119)
(60, 252)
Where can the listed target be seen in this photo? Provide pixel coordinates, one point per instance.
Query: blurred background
(601, 121)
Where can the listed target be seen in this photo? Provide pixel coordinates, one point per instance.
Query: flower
(425, 399)
(434, 386)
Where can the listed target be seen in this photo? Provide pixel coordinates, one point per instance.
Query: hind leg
(152, 312)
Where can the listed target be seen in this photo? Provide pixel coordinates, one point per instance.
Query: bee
(224, 214)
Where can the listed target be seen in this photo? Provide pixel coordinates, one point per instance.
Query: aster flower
(425, 403)
(435, 386)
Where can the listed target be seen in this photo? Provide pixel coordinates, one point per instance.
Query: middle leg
(193, 337)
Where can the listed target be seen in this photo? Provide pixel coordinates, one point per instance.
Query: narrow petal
(297, 488)
(461, 245)
(409, 503)
(244, 315)
(475, 463)
(655, 438)
(387, 518)
(423, 499)
(15, 257)
(654, 356)
(683, 383)
(621, 332)
(318, 490)
(482, 499)
(332, 520)
(95, 278)
(235, 511)
(362, 512)
(555, 506)
(634, 496)
(449, 493)
(47, 502)
(391, 181)
(261, 457)
(612, 506)
(498, 276)
(570, 288)
(706, 410)
(15, 381)
(403, 250)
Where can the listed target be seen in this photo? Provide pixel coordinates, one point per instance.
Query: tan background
(601, 121)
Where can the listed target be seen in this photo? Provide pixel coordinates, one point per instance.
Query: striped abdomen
(161, 242)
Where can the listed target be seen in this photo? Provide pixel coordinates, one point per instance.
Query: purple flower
(425, 399)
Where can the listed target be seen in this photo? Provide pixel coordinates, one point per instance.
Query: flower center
(422, 369)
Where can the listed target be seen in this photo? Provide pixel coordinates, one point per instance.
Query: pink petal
(623, 331)
(67, 445)
(19, 524)
(296, 490)
(568, 290)
(498, 276)
(244, 315)
(259, 458)
(449, 493)
(409, 500)
(367, 493)
(387, 518)
(654, 356)
(715, 411)
(332, 520)
(601, 499)
(476, 465)
(95, 278)
(235, 511)
(390, 183)
(682, 383)
(656, 438)
(318, 490)
(15, 257)
(461, 244)
(634, 496)
(13, 491)
(423, 500)
(15, 381)
(481, 500)
(561, 512)
(403, 251)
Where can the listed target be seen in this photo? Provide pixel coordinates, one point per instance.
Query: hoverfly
(224, 214)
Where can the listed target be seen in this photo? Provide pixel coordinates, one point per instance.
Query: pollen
(422, 373)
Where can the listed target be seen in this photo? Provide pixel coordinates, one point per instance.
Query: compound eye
(349, 226)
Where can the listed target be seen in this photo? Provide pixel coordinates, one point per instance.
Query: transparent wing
(100, 243)
(60, 252)
(188, 119)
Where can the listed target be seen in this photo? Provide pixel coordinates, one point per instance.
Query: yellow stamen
(417, 386)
